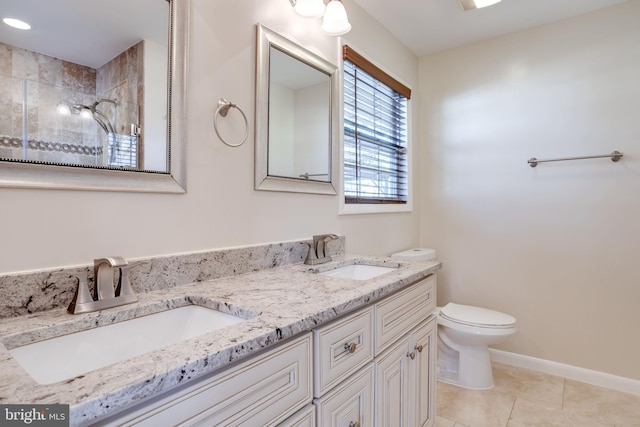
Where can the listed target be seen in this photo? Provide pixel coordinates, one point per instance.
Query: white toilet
(464, 334)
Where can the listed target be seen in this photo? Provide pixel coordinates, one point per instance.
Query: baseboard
(588, 376)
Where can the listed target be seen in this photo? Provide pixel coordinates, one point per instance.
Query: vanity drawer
(262, 391)
(305, 417)
(340, 348)
(399, 313)
(349, 404)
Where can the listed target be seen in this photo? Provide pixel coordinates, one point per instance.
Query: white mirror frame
(33, 175)
(266, 39)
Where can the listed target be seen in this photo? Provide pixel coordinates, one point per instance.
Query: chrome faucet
(317, 249)
(106, 294)
(103, 276)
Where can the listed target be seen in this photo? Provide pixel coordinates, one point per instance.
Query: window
(123, 150)
(375, 133)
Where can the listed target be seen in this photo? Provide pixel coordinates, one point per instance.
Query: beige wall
(556, 246)
(42, 229)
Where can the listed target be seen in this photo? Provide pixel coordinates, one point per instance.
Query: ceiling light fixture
(16, 23)
(477, 4)
(335, 21)
(308, 8)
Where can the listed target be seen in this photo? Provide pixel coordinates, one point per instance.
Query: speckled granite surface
(279, 303)
(26, 293)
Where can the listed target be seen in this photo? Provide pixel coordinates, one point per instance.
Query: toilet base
(470, 367)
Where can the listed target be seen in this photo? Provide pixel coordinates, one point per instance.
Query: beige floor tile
(473, 408)
(535, 414)
(603, 405)
(443, 422)
(530, 385)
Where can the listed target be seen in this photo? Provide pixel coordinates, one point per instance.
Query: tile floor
(527, 398)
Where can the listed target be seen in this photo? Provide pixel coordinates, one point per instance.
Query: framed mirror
(93, 95)
(296, 117)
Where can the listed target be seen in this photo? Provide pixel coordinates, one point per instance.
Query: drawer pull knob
(350, 347)
(419, 348)
(412, 355)
(354, 424)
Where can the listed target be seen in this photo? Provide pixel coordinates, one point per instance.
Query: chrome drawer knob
(350, 347)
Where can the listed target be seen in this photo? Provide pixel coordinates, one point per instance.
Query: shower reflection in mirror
(121, 148)
(100, 100)
(61, 126)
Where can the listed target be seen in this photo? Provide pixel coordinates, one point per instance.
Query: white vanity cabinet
(404, 380)
(305, 417)
(405, 357)
(262, 391)
(376, 366)
(372, 367)
(342, 348)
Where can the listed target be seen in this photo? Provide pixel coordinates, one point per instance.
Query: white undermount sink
(68, 356)
(358, 271)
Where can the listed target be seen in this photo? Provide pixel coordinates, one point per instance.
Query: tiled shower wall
(122, 79)
(48, 81)
(45, 82)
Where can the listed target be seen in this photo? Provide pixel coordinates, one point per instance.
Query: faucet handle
(82, 294)
(124, 284)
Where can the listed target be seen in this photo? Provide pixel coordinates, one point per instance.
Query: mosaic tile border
(14, 142)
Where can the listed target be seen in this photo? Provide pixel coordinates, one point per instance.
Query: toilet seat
(476, 316)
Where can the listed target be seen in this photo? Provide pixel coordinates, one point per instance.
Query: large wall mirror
(92, 95)
(296, 117)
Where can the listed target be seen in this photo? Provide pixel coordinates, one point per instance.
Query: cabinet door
(349, 404)
(392, 386)
(398, 314)
(422, 369)
(305, 417)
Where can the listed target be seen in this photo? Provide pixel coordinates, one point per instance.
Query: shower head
(97, 115)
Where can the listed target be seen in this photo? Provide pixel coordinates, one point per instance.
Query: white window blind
(375, 133)
(123, 150)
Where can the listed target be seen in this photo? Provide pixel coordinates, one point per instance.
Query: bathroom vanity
(312, 349)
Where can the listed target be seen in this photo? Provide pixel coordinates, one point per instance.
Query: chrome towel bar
(615, 157)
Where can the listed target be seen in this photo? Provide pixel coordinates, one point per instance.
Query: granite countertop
(279, 303)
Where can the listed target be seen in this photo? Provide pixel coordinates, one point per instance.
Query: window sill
(363, 208)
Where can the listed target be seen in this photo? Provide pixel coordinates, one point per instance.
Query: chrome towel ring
(223, 109)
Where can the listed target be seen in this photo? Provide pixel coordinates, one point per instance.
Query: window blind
(375, 134)
(123, 150)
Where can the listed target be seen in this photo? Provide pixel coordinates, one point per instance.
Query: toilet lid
(471, 315)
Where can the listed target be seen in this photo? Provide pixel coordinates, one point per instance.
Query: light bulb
(485, 3)
(63, 109)
(309, 8)
(16, 23)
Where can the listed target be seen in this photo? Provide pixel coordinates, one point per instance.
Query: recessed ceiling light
(477, 4)
(16, 23)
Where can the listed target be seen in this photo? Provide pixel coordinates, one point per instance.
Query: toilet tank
(417, 254)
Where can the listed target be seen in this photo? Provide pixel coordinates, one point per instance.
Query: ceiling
(429, 26)
(85, 32)
(107, 28)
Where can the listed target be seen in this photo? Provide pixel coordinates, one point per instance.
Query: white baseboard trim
(602, 379)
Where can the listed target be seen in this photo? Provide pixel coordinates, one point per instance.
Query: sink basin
(68, 356)
(358, 271)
